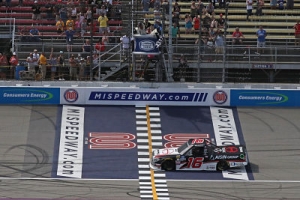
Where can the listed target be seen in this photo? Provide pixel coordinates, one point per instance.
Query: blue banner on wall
(146, 44)
(290, 98)
(29, 95)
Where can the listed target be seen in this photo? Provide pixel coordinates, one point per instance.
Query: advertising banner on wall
(29, 95)
(252, 97)
(137, 96)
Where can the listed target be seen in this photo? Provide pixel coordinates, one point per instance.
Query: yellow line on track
(150, 153)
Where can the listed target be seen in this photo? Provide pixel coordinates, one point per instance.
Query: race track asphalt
(27, 133)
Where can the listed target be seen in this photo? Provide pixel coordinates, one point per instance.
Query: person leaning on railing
(3, 66)
(14, 61)
(297, 33)
(43, 65)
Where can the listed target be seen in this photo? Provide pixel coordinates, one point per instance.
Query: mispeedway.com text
(134, 96)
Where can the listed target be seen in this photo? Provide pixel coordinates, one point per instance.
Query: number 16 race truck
(199, 154)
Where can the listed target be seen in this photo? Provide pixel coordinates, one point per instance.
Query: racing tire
(168, 165)
(222, 165)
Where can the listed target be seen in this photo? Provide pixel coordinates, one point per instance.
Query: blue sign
(146, 44)
(29, 95)
(265, 98)
(148, 96)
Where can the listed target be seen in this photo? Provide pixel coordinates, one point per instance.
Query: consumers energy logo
(263, 98)
(27, 95)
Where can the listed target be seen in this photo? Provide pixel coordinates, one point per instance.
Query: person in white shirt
(249, 8)
(125, 40)
(29, 60)
(35, 57)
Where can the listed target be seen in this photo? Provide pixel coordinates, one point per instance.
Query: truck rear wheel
(223, 165)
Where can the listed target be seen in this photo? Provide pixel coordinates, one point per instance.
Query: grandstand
(279, 60)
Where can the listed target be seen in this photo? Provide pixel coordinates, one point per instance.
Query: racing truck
(199, 154)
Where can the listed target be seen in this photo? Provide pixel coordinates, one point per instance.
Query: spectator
(125, 40)
(117, 34)
(30, 62)
(249, 8)
(14, 61)
(34, 34)
(214, 22)
(219, 42)
(281, 4)
(24, 34)
(165, 7)
(115, 13)
(100, 46)
(221, 22)
(182, 66)
(290, 4)
(69, 38)
(157, 13)
(273, 4)
(175, 33)
(211, 33)
(53, 61)
(49, 10)
(63, 14)
(57, 7)
(261, 39)
(86, 47)
(3, 66)
(200, 6)
(82, 6)
(83, 27)
(222, 3)
(297, 33)
(105, 37)
(259, 7)
(102, 11)
(237, 36)
(147, 25)
(158, 26)
(196, 23)
(88, 15)
(36, 11)
(145, 5)
(188, 24)
(73, 12)
(140, 29)
(70, 24)
(82, 68)
(73, 67)
(193, 11)
(61, 65)
(8, 3)
(60, 26)
(214, 3)
(43, 65)
(78, 27)
(35, 58)
(206, 22)
(210, 8)
(103, 25)
(176, 18)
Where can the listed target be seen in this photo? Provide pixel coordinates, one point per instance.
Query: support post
(199, 49)
(225, 43)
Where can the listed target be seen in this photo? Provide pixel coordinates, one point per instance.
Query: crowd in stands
(72, 16)
(76, 18)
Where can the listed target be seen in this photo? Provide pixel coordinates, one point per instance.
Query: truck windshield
(183, 147)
